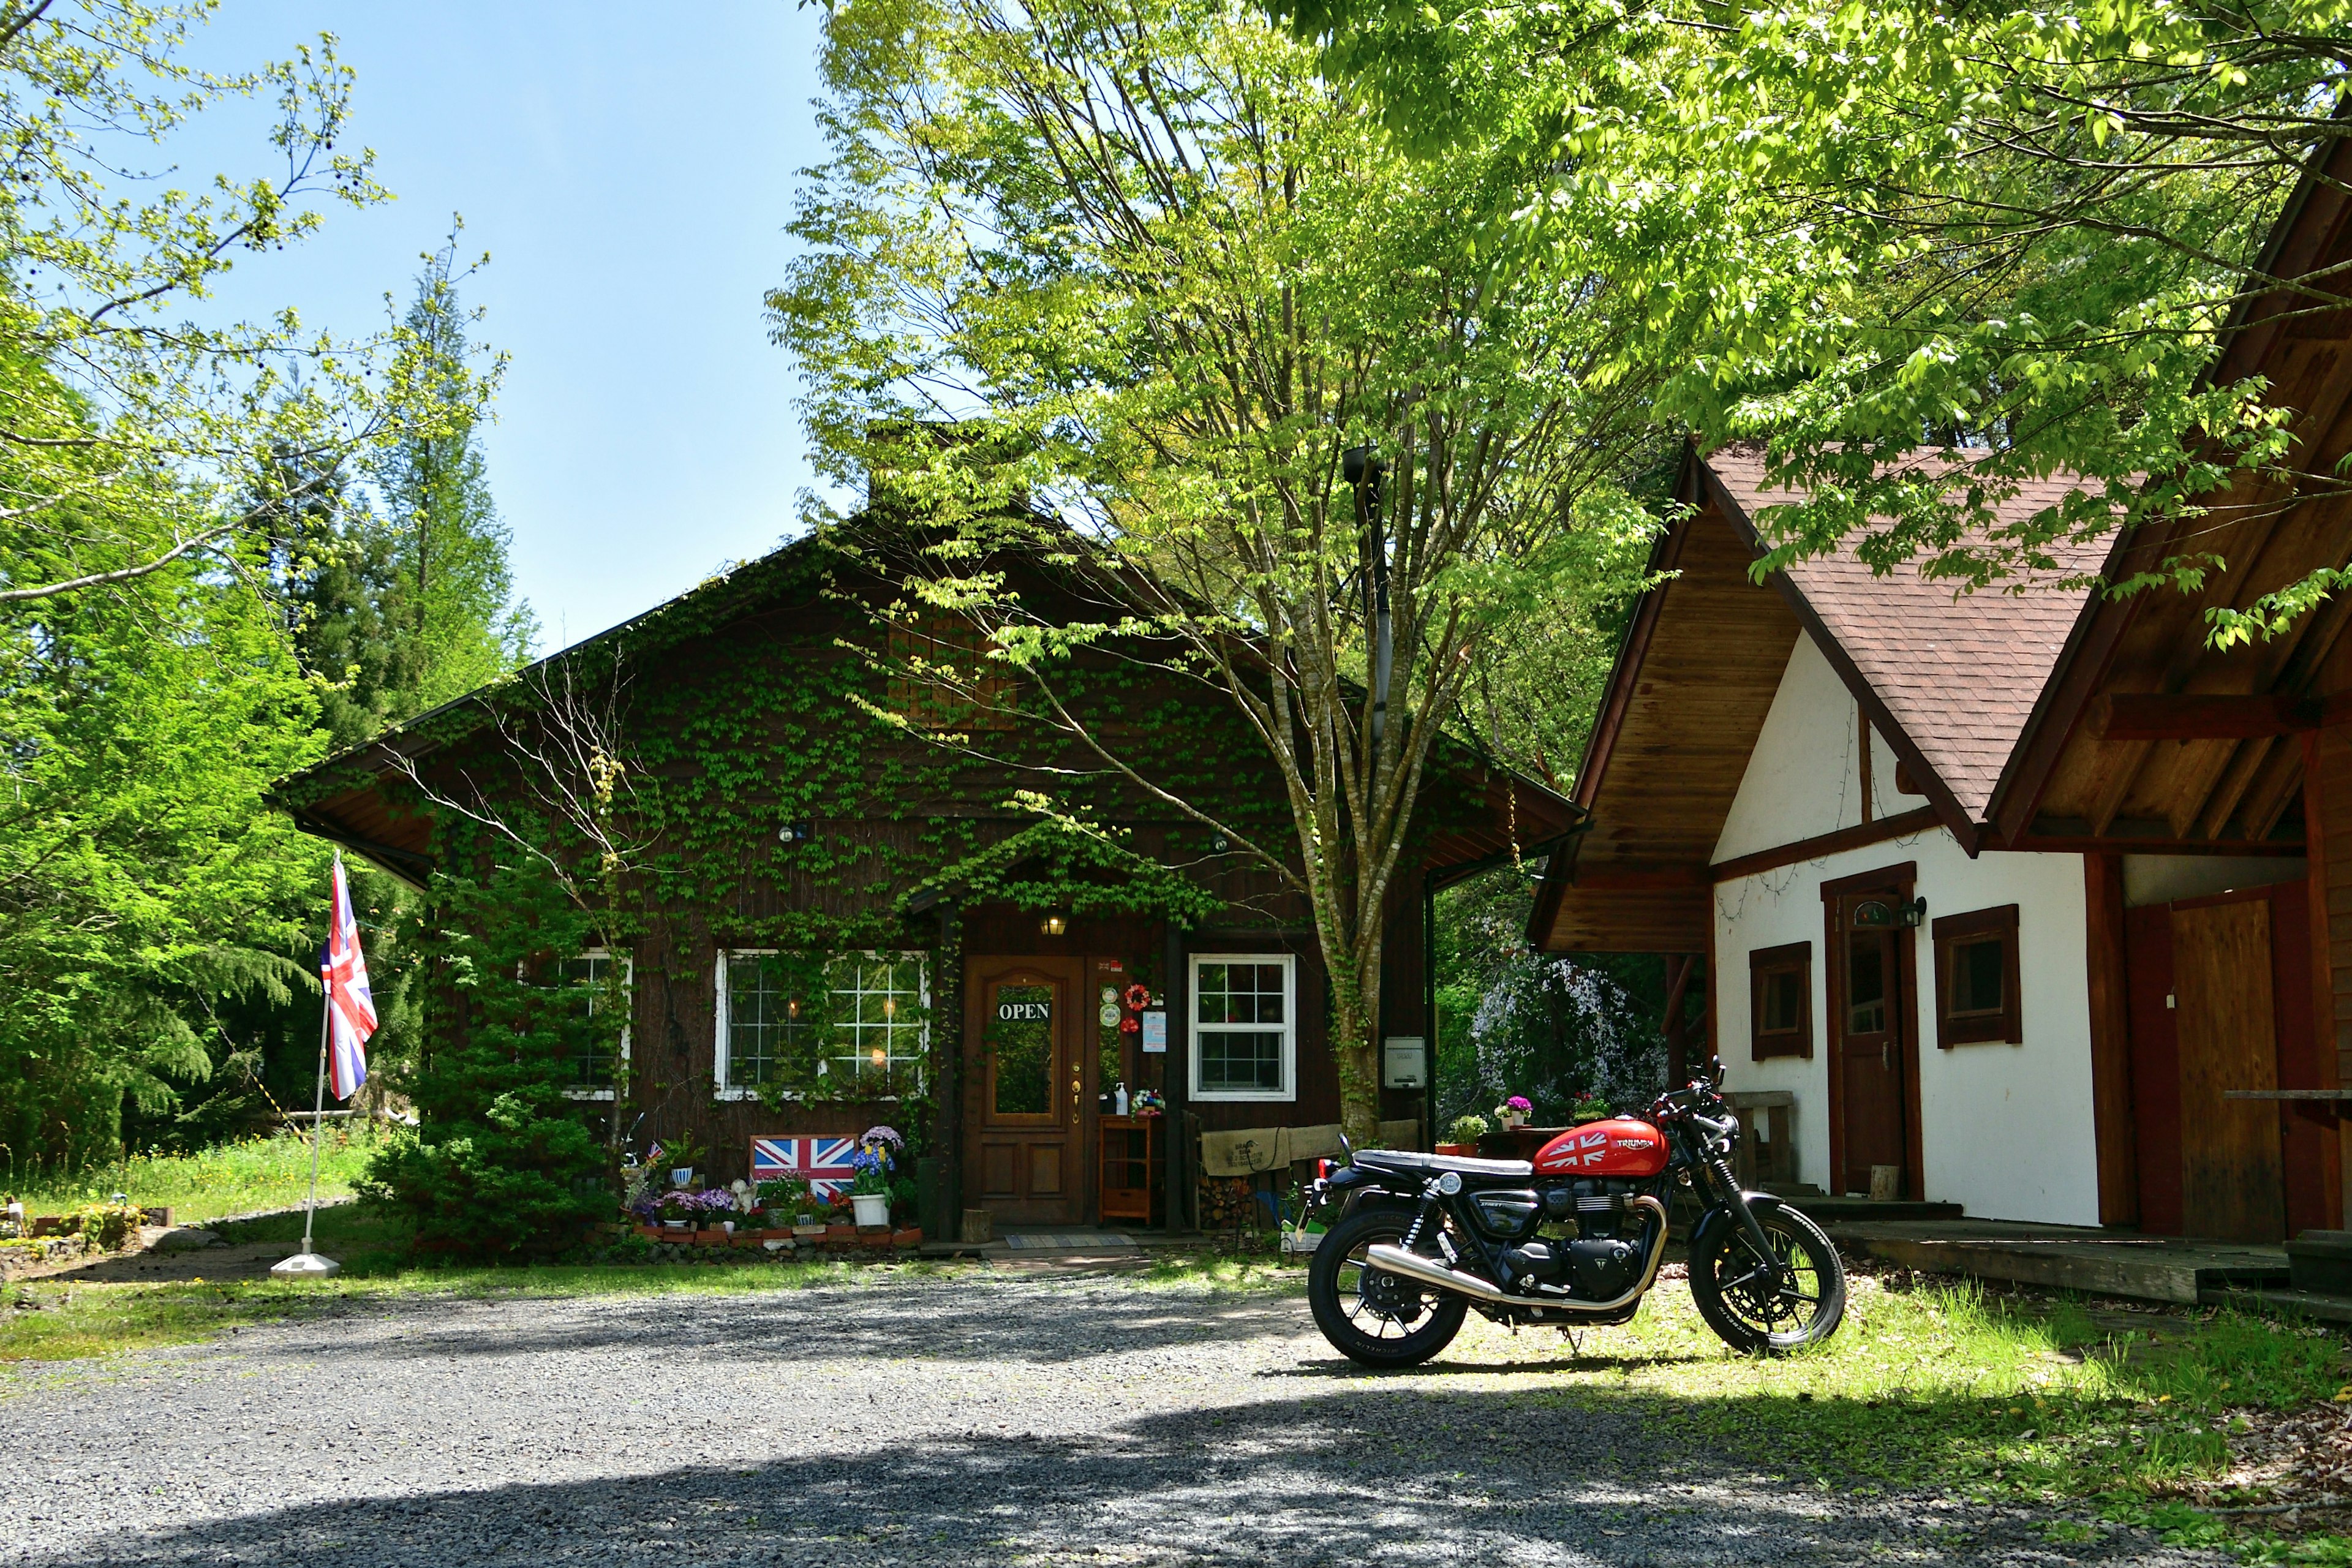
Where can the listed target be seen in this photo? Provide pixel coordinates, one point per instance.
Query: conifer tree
(447, 544)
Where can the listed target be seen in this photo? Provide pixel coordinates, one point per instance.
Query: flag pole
(307, 1263)
(317, 1114)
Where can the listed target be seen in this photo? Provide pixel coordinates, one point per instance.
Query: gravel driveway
(930, 1421)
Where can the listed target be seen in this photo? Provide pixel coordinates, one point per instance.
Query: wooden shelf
(1125, 1170)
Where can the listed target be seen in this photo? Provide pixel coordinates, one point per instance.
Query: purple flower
(889, 1135)
(1520, 1102)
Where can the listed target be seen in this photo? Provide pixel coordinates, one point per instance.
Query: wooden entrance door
(1866, 1024)
(1028, 1089)
(2232, 1184)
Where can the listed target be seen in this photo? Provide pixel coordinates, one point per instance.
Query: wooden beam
(2221, 802)
(2111, 1081)
(2203, 716)
(1638, 879)
(1920, 819)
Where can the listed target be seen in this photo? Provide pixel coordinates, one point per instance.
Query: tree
(143, 886)
(110, 264)
(450, 548)
(1926, 252)
(1163, 278)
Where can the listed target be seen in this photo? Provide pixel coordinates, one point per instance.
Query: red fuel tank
(1621, 1146)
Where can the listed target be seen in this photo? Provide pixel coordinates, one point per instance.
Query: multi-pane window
(878, 1001)
(839, 1025)
(769, 1020)
(1245, 1044)
(1780, 1001)
(1977, 1000)
(598, 1054)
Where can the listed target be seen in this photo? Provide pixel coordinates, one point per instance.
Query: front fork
(1750, 1227)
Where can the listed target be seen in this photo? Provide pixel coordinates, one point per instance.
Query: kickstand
(1575, 1340)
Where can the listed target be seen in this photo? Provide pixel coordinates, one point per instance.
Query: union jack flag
(822, 1162)
(350, 1007)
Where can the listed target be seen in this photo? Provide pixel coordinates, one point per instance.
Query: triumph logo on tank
(1024, 1012)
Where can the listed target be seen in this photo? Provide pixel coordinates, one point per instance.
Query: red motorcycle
(1572, 1239)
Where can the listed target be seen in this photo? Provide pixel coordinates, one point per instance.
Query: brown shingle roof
(1958, 672)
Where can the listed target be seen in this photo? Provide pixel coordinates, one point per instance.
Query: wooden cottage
(834, 921)
(2034, 902)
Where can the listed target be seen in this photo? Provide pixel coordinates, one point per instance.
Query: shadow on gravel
(1373, 1473)
(937, 1319)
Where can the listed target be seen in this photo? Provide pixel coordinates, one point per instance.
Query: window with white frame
(1245, 1026)
(843, 1024)
(597, 1061)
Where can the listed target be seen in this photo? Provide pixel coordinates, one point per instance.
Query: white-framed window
(864, 1016)
(1244, 1026)
(597, 1069)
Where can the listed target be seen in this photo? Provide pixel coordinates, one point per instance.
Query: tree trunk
(1355, 1050)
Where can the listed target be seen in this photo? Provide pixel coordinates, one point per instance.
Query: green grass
(2126, 1413)
(229, 1178)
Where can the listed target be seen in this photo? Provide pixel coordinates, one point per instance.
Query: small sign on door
(1024, 1012)
(1155, 1029)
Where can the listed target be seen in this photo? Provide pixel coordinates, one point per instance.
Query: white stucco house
(1799, 786)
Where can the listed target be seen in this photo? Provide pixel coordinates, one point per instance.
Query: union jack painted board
(822, 1162)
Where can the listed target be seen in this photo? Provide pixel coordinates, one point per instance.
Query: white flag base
(305, 1266)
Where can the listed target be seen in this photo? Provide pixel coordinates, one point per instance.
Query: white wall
(2006, 1130)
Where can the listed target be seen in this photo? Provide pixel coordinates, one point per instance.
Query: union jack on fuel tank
(351, 1008)
(822, 1162)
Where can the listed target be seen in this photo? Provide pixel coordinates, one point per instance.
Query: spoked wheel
(1369, 1314)
(1753, 1306)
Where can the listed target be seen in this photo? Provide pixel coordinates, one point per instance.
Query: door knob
(1886, 1057)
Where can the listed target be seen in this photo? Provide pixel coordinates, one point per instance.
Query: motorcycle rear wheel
(1734, 1294)
(1376, 1319)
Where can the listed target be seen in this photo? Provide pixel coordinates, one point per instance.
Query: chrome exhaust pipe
(1430, 1271)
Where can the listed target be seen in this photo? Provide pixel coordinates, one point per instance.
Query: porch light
(1879, 914)
(1054, 925)
(881, 1058)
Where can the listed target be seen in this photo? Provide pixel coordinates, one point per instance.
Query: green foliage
(1871, 235)
(441, 529)
(502, 1161)
(1157, 390)
(227, 1178)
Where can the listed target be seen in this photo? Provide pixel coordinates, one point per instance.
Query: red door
(1866, 1028)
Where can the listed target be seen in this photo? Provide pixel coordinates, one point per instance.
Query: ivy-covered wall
(754, 800)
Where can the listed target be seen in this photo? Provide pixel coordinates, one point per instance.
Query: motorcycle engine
(1579, 1245)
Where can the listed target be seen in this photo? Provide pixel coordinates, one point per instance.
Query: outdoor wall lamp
(1053, 925)
(1880, 915)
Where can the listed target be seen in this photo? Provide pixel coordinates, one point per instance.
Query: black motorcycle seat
(1406, 1159)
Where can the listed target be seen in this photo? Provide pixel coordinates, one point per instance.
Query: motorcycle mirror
(1347, 1150)
(1715, 1072)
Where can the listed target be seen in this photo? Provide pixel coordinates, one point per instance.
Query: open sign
(1024, 1012)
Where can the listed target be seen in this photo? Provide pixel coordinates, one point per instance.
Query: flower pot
(872, 1209)
(1515, 1122)
(727, 1225)
(674, 1224)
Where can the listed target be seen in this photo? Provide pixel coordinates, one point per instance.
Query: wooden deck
(2097, 1262)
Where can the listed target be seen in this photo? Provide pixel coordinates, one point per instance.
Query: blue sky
(629, 169)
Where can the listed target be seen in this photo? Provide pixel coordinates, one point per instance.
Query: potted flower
(1513, 1112)
(1465, 1132)
(869, 1192)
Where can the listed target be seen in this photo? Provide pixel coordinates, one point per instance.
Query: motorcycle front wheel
(1371, 1316)
(1742, 1300)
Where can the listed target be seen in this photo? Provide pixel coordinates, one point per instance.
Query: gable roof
(1948, 680)
(1957, 674)
(341, 798)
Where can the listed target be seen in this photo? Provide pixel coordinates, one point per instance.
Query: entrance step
(1828, 1211)
(2318, 1304)
(2069, 1258)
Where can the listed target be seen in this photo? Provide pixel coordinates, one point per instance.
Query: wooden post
(2321, 807)
(1678, 974)
(2111, 1081)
